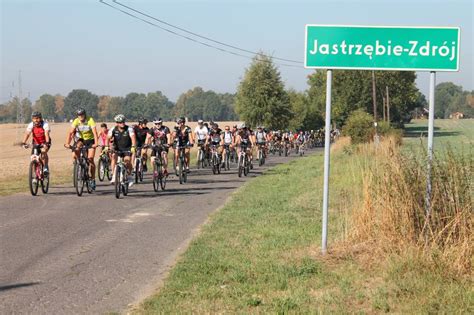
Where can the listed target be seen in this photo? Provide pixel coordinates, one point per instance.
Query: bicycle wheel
(260, 157)
(79, 179)
(124, 182)
(162, 180)
(199, 158)
(246, 166)
(180, 171)
(107, 168)
(156, 177)
(185, 171)
(118, 181)
(241, 165)
(219, 164)
(137, 170)
(227, 161)
(74, 173)
(102, 169)
(140, 174)
(88, 179)
(33, 181)
(214, 164)
(45, 183)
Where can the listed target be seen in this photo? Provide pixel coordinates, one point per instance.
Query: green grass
(458, 134)
(260, 254)
(19, 184)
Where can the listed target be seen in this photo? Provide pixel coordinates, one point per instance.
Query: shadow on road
(17, 285)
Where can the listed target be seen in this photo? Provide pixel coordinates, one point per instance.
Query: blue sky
(61, 45)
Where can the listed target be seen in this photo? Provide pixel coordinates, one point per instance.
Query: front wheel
(102, 169)
(241, 165)
(45, 183)
(156, 177)
(33, 180)
(118, 183)
(80, 179)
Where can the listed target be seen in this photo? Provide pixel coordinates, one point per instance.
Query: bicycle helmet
(157, 120)
(142, 120)
(181, 120)
(242, 126)
(80, 112)
(36, 114)
(119, 118)
(200, 121)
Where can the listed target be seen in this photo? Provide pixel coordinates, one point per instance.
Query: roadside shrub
(392, 215)
(359, 127)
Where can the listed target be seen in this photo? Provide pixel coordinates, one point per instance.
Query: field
(15, 159)
(261, 252)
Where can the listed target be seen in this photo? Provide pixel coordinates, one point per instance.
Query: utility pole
(19, 111)
(388, 103)
(374, 96)
(383, 108)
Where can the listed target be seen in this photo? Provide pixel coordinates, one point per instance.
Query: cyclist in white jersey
(228, 141)
(200, 134)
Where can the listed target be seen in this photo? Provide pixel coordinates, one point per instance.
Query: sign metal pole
(430, 151)
(327, 144)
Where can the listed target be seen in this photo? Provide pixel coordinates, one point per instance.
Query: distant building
(456, 115)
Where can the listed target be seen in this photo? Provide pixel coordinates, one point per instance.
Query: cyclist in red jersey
(39, 130)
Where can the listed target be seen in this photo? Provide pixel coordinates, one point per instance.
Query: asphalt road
(63, 254)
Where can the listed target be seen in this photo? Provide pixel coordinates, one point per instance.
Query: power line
(192, 39)
(200, 36)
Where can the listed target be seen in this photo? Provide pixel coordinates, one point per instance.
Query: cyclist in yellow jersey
(85, 127)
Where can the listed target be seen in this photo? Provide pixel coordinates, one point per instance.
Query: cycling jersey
(38, 132)
(103, 138)
(140, 134)
(182, 135)
(201, 132)
(228, 137)
(122, 138)
(84, 128)
(159, 135)
(215, 136)
(261, 136)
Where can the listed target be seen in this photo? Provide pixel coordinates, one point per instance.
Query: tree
(80, 99)
(261, 96)
(134, 105)
(46, 104)
(158, 105)
(59, 103)
(103, 107)
(116, 105)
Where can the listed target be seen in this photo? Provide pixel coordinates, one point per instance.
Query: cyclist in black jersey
(123, 139)
(160, 137)
(183, 137)
(141, 130)
(215, 137)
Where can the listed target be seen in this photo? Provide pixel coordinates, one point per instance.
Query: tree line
(263, 99)
(194, 104)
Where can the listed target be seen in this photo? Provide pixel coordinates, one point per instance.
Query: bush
(359, 127)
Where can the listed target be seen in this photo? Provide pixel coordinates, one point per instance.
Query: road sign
(382, 47)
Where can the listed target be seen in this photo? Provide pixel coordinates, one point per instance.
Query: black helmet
(181, 120)
(80, 111)
(36, 114)
(142, 120)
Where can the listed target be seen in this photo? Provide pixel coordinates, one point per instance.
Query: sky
(61, 45)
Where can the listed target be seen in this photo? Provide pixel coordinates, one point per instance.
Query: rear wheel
(33, 181)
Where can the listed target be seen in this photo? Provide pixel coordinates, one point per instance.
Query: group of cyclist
(130, 142)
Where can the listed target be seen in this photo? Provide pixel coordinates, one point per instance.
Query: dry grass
(392, 214)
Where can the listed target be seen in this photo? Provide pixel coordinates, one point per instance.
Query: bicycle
(121, 174)
(244, 162)
(36, 174)
(159, 178)
(301, 149)
(201, 160)
(261, 154)
(227, 157)
(104, 166)
(216, 159)
(138, 169)
(81, 176)
(182, 165)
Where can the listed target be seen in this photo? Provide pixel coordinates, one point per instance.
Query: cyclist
(261, 139)
(160, 137)
(244, 139)
(85, 128)
(141, 131)
(228, 140)
(184, 137)
(215, 138)
(201, 132)
(125, 144)
(39, 129)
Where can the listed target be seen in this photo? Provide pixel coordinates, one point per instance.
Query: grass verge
(260, 254)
